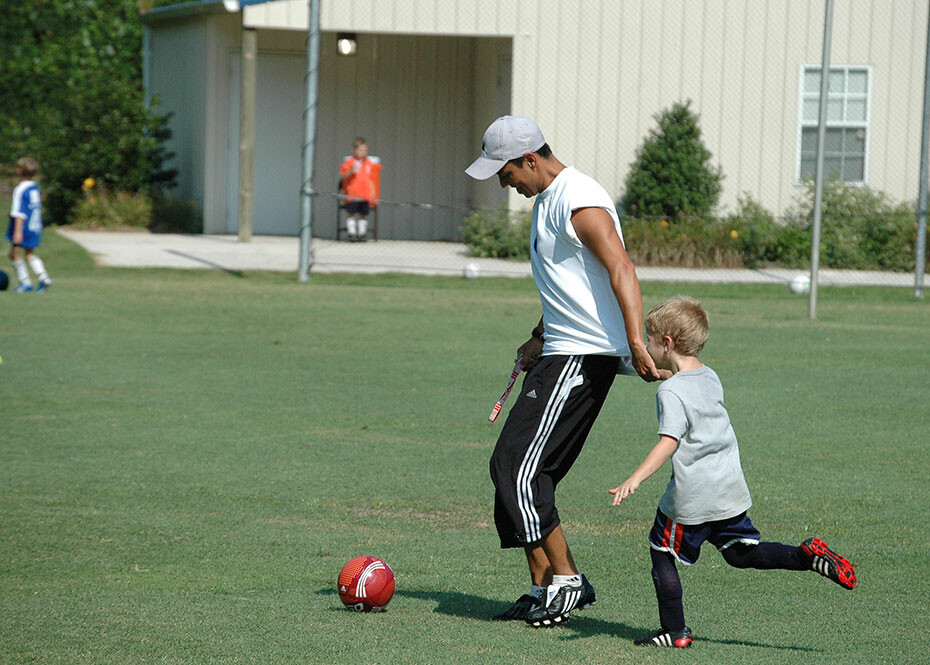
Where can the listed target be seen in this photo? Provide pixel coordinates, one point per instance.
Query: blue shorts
(683, 541)
(31, 239)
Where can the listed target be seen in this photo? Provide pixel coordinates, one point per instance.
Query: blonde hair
(359, 141)
(27, 166)
(684, 320)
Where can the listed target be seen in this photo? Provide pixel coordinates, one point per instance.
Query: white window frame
(857, 124)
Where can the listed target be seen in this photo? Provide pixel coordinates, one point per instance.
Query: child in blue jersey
(25, 228)
(707, 497)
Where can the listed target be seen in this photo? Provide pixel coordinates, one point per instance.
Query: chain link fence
(596, 74)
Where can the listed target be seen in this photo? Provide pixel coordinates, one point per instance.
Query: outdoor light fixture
(346, 43)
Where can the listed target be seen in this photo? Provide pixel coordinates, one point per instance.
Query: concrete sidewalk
(277, 253)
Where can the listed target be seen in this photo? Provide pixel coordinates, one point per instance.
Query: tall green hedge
(71, 96)
(672, 176)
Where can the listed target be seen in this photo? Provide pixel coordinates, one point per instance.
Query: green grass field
(189, 458)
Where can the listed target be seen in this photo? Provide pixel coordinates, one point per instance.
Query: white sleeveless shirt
(581, 314)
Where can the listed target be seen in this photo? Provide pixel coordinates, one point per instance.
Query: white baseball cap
(508, 137)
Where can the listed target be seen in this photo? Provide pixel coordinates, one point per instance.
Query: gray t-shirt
(707, 481)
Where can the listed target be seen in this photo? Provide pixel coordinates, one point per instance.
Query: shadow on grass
(583, 624)
(207, 262)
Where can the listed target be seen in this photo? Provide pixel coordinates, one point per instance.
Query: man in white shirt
(591, 328)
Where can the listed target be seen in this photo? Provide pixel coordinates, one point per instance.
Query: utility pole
(247, 66)
(306, 188)
(920, 255)
(821, 135)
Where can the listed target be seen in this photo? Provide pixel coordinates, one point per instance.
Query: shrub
(861, 228)
(497, 234)
(756, 230)
(672, 176)
(102, 209)
(792, 247)
(171, 215)
(690, 242)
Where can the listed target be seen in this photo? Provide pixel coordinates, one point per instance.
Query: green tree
(672, 175)
(71, 95)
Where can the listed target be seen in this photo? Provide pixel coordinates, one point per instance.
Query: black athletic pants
(544, 433)
(764, 556)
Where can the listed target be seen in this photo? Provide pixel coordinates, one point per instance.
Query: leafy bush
(691, 242)
(757, 231)
(171, 215)
(671, 176)
(498, 234)
(861, 228)
(71, 96)
(101, 209)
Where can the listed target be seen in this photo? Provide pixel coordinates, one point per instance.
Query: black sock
(668, 591)
(765, 556)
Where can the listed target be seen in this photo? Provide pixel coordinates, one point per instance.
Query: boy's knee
(667, 586)
(737, 555)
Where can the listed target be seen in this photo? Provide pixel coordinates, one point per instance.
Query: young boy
(359, 174)
(707, 497)
(25, 228)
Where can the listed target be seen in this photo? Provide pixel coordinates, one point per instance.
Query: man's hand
(644, 365)
(530, 351)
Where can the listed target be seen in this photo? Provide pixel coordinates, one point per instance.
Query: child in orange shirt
(359, 173)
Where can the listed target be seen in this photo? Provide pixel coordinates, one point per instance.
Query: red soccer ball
(366, 583)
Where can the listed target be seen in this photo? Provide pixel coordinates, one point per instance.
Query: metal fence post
(821, 135)
(306, 189)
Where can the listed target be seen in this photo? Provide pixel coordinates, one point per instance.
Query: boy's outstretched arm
(653, 462)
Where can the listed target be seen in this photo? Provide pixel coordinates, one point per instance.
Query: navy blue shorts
(683, 541)
(357, 208)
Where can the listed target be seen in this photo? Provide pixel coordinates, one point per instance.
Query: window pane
(809, 140)
(833, 141)
(854, 169)
(808, 168)
(854, 143)
(812, 80)
(855, 110)
(811, 110)
(832, 167)
(858, 81)
(834, 110)
(837, 80)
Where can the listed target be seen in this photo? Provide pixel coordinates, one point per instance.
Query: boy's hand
(626, 489)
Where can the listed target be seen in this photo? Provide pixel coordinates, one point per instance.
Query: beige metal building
(429, 76)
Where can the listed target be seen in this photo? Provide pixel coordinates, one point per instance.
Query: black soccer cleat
(518, 611)
(828, 563)
(664, 638)
(561, 603)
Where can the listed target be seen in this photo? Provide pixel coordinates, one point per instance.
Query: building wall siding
(595, 72)
(177, 76)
